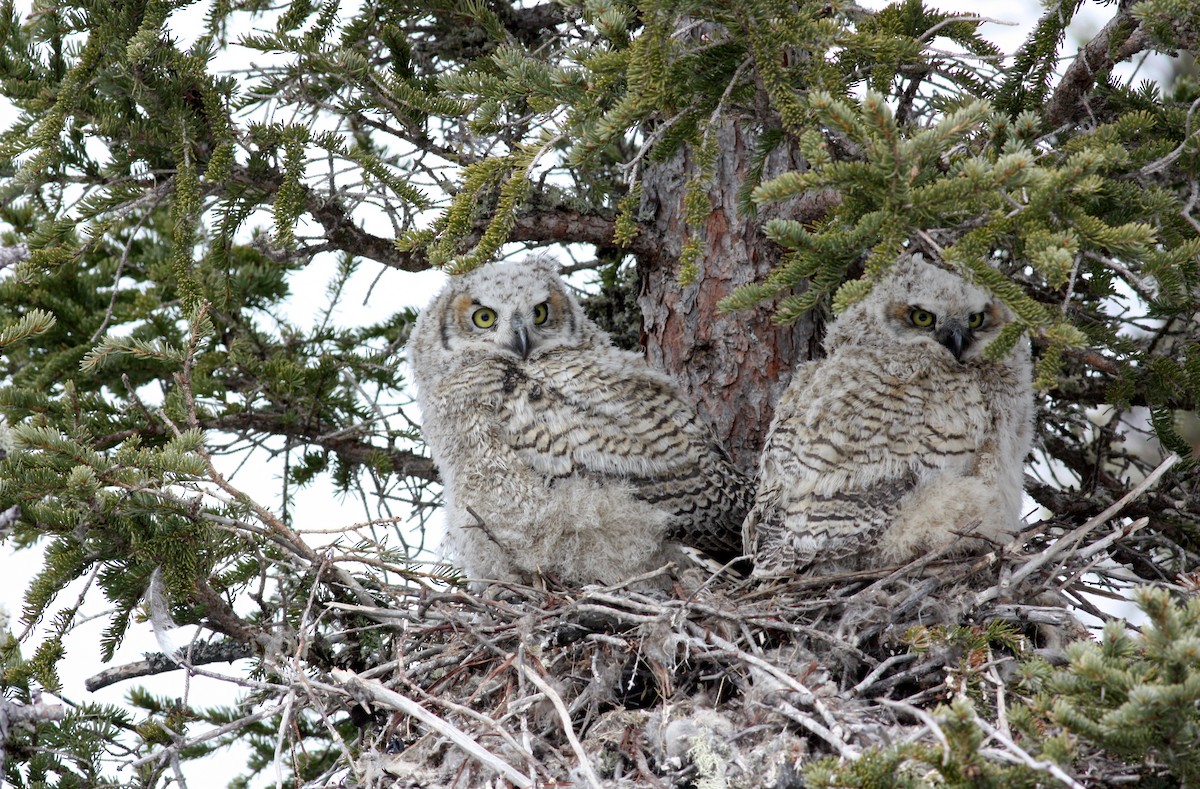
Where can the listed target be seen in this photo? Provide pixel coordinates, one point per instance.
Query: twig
(1118, 534)
(633, 582)
(928, 35)
(478, 717)
(1069, 540)
(374, 691)
(285, 719)
(212, 734)
(878, 671)
(1024, 756)
(925, 718)
(585, 764)
(845, 751)
(1001, 705)
(832, 734)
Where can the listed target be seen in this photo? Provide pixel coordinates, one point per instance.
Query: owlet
(560, 453)
(904, 439)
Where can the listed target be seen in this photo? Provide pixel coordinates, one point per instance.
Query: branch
(365, 690)
(1070, 540)
(158, 663)
(350, 449)
(12, 712)
(1093, 359)
(353, 451)
(585, 765)
(339, 226)
(550, 224)
(569, 226)
(1119, 40)
(1022, 756)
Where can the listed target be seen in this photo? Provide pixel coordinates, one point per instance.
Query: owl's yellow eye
(976, 320)
(540, 313)
(922, 319)
(484, 317)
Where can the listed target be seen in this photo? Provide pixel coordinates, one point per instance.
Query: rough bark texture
(736, 366)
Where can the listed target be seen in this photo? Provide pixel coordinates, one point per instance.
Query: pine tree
(740, 170)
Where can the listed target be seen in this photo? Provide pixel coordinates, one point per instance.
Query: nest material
(720, 683)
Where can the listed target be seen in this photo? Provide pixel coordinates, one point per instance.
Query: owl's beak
(519, 342)
(955, 336)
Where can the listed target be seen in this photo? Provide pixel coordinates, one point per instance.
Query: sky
(317, 506)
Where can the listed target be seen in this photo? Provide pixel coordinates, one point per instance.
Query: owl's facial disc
(956, 333)
(518, 331)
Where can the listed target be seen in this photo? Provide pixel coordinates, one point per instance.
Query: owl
(560, 453)
(903, 440)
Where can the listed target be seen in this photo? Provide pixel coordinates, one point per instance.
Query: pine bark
(733, 366)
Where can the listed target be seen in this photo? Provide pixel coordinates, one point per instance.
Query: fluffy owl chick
(903, 439)
(560, 453)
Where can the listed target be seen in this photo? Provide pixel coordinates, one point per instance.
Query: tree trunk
(734, 366)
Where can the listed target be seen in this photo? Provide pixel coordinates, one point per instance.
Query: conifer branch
(348, 448)
(547, 224)
(287, 537)
(342, 232)
(561, 224)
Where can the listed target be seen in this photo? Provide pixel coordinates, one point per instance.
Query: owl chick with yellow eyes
(906, 439)
(560, 453)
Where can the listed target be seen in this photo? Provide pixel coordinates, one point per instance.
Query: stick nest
(718, 682)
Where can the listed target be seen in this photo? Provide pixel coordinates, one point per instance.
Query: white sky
(316, 506)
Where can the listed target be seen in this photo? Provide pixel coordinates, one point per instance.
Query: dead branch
(1117, 41)
(159, 663)
(369, 691)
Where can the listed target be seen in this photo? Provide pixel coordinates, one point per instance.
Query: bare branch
(158, 663)
(1119, 40)
(374, 692)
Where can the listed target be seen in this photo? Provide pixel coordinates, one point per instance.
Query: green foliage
(969, 191)
(958, 761)
(1027, 83)
(1137, 695)
(1132, 696)
(156, 213)
(71, 753)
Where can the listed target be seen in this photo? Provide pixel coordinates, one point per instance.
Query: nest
(719, 682)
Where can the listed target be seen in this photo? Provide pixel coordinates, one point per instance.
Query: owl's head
(517, 309)
(918, 304)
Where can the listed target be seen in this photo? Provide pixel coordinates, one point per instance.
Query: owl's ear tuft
(542, 261)
(907, 267)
